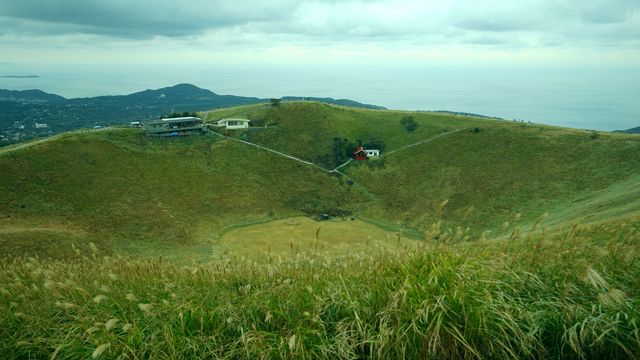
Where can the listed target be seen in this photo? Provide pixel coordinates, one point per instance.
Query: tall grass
(573, 296)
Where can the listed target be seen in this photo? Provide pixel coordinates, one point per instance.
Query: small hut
(359, 154)
(233, 123)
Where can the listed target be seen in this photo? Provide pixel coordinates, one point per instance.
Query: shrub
(376, 164)
(342, 149)
(409, 123)
(374, 143)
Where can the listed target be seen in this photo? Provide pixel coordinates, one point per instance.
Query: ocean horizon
(588, 97)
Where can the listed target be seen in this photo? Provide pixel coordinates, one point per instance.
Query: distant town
(20, 131)
(30, 114)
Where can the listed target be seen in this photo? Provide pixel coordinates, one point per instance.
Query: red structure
(359, 154)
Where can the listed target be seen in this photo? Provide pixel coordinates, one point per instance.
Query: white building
(41, 126)
(372, 153)
(234, 123)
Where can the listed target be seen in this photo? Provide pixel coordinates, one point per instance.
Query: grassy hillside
(405, 269)
(494, 175)
(152, 196)
(175, 198)
(570, 297)
(503, 173)
(307, 130)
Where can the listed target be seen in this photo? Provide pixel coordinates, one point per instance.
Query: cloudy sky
(322, 31)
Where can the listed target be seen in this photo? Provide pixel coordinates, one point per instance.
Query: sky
(387, 32)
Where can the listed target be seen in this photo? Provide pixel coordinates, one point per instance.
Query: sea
(586, 97)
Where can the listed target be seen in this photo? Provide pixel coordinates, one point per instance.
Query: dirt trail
(25, 145)
(336, 169)
(422, 142)
(11, 229)
(11, 148)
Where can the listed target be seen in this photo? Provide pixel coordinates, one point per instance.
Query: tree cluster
(342, 149)
(409, 123)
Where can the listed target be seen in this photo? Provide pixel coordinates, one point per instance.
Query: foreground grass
(574, 296)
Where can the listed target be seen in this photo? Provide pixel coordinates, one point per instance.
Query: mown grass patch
(333, 238)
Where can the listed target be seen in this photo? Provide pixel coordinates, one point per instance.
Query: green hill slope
(156, 196)
(290, 287)
(307, 130)
(128, 193)
(489, 171)
(504, 170)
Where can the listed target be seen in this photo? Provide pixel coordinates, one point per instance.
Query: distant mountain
(21, 110)
(29, 96)
(464, 114)
(181, 97)
(342, 102)
(20, 76)
(635, 130)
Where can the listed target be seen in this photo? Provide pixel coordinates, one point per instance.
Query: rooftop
(234, 119)
(181, 119)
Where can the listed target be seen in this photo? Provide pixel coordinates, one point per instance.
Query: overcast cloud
(215, 30)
